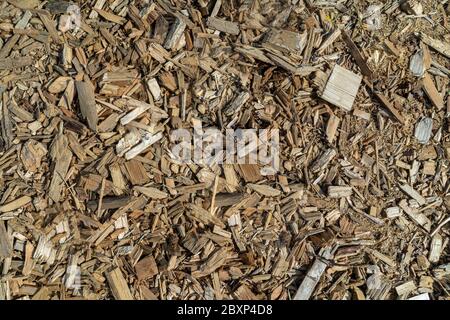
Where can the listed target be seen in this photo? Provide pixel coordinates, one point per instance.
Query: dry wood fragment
(391, 47)
(431, 91)
(244, 293)
(385, 102)
(9, 63)
(49, 24)
(223, 25)
(417, 217)
(329, 40)
(214, 261)
(86, 99)
(71, 271)
(108, 16)
(412, 7)
(147, 141)
(313, 276)
(286, 41)
(175, 34)
(332, 126)
(62, 157)
(110, 202)
(118, 285)
(59, 84)
(422, 296)
(382, 257)
(435, 249)
(393, 212)
(15, 204)
(253, 52)
(339, 191)
(264, 190)
(405, 288)
(365, 70)
(154, 89)
(134, 114)
(420, 62)
(447, 220)
(236, 104)
(109, 123)
(201, 215)
(413, 194)
(20, 112)
(32, 154)
(152, 193)
(341, 88)
(250, 172)
(323, 160)
(439, 46)
(156, 112)
(146, 268)
(5, 242)
(127, 142)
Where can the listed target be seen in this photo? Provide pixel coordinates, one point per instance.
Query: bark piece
(146, 268)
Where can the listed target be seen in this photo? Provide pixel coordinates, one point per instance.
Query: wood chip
(5, 242)
(15, 204)
(223, 25)
(146, 268)
(118, 285)
(313, 277)
(431, 91)
(413, 194)
(86, 98)
(341, 88)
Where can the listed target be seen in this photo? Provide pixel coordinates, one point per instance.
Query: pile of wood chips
(93, 205)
